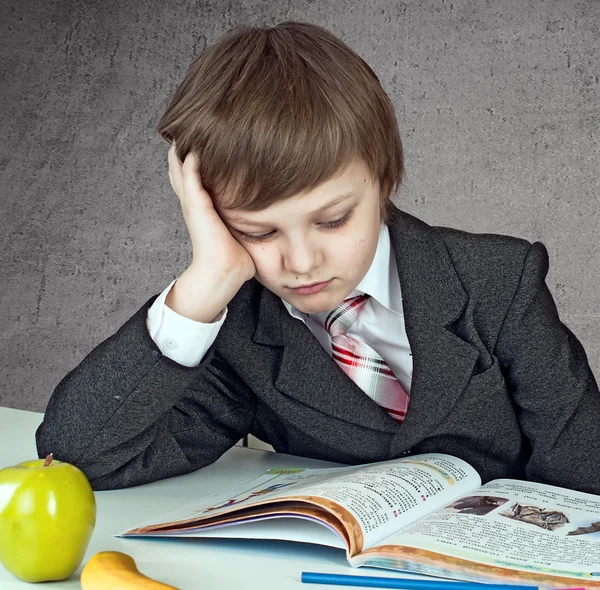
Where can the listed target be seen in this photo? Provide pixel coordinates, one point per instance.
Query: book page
(285, 527)
(369, 501)
(384, 497)
(507, 525)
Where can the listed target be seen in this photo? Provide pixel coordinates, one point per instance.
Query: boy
(438, 340)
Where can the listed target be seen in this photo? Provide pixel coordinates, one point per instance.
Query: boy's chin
(317, 303)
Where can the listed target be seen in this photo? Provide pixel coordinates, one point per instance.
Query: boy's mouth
(311, 288)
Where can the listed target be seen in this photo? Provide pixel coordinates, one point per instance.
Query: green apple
(47, 515)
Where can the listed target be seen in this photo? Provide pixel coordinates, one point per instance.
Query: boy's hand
(220, 265)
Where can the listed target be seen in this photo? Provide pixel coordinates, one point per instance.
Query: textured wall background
(498, 103)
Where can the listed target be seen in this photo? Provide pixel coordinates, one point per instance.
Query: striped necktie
(361, 362)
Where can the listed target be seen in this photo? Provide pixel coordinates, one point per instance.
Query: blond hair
(272, 112)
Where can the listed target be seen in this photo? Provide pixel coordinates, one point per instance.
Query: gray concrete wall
(498, 103)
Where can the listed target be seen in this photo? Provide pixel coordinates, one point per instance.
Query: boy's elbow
(59, 438)
(49, 438)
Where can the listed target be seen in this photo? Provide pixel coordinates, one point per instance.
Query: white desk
(188, 564)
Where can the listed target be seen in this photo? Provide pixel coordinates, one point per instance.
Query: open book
(425, 514)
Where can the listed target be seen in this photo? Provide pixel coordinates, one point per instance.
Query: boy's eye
(338, 222)
(253, 238)
(326, 224)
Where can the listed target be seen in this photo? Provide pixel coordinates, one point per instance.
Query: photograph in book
(425, 514)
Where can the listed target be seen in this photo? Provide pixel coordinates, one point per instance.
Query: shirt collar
(381, 281)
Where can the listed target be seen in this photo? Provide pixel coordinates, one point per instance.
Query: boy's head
(273, 112)
(285, 120)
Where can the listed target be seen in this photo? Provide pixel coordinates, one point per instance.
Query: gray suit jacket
(497, 379)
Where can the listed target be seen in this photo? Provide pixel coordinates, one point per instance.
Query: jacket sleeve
(128, 415)
(554, 392)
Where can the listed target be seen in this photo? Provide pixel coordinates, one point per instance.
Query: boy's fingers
(173, 184)
(191, 176)
(172, 160)
(185, 181)
(174, 173)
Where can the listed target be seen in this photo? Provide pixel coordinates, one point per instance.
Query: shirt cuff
(181, 339)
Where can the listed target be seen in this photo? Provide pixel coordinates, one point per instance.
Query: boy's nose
(300, 259)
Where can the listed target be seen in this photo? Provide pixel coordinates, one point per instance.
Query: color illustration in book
(261, 492)
(478, 505)
(546, 519)
(590, 529)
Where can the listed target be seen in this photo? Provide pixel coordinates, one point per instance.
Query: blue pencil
(405, 584)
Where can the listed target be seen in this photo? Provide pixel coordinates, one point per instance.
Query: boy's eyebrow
(332, 203)
(335, 201)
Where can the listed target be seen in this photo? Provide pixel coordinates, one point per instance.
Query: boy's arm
(128, 415)
(552, 386)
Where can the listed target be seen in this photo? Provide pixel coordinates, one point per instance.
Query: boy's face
(313, 249)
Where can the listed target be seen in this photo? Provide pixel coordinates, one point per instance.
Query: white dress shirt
(380, 323)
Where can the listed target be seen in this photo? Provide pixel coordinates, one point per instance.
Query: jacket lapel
(432, 300)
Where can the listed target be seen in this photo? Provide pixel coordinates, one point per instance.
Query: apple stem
(48, 460)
